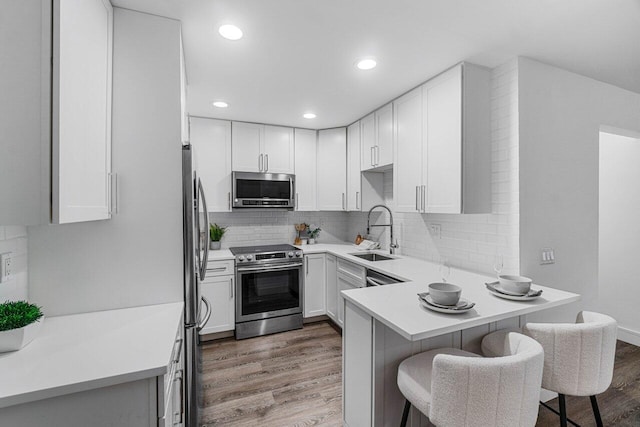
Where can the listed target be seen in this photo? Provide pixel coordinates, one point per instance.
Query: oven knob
(249, 257)
(290, 254)
(241, 258)
(299, 254)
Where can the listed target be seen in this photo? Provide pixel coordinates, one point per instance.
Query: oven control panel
(269, 256)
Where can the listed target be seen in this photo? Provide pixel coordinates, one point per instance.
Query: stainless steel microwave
(263, 190)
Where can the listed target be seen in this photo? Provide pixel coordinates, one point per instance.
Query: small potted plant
(312, 232)
(19, 324)
(215, 233)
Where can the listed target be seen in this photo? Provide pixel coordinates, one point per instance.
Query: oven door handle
(269, 268)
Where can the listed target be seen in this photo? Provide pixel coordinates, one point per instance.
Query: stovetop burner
(262, 249)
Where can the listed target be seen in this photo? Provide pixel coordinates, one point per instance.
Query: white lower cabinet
(170, 404)
(332, 287)
(350, 276)
(315, 285)
(218, 287)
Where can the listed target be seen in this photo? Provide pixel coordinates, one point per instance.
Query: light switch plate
(436, 231)
(547, 256)
(5, 267)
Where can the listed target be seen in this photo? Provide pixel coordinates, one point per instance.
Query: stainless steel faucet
(392, 246)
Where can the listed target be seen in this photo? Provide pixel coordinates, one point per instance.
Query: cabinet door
(305, 161)
(315, 288)
(407, 170)
(384, 136)
(343, 285)
(219, 291)
(211, 140)
(368, 138)
(332, 169)
(278, 150)
(354, 192)
(81, 110)
(443, 137)
(246, 140)
(332, 287)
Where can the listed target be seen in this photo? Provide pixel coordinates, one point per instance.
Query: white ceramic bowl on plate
(516, 284)
(445, 293)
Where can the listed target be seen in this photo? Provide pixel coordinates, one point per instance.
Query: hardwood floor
(295, 379)
(288, 379)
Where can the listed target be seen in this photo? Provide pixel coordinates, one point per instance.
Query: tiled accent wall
(14, 239)
(251, 227)
(470, 241)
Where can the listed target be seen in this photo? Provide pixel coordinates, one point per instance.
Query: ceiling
(298, 55)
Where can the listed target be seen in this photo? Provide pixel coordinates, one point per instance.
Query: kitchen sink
(372, 256)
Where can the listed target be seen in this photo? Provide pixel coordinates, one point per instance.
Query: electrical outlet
(5, 267)
(547, 256)
(436, 231)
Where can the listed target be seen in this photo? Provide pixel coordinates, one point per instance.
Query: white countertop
(397, 305)
(86, 351)
(220, 255)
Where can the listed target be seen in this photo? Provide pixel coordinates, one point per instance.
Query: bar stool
(578, 358)
(457, 388)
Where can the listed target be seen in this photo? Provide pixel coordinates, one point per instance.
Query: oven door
(268, 291)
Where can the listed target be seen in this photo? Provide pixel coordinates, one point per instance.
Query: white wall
(560, 118)
(619, 230)
(136, 257)
(14, 239)
(469, 241)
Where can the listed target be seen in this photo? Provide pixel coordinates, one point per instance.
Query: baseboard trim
(629, 336)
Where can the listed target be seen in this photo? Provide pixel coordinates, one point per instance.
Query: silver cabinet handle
(372, 156)
(217, 269)
(266, 161)
(207, 314)
(230, 287)
(424, 191)
(343, 208)
(112, 192)
(417, 199)
(357, 200)
(260, 162)
(177, 400)
(306, 261)
(229, 197)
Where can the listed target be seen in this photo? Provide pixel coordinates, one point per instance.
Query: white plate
(533, 294)
(498, 288)
(446, 310)
(461, 304)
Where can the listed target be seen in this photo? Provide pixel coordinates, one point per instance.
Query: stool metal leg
(405, 413)
(596, 411)
(563, 410)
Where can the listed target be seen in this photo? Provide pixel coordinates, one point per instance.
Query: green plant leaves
(18, 314)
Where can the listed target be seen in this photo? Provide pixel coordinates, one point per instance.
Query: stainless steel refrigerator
(196, 251)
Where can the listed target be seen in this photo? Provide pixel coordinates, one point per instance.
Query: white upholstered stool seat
(457, 388)
(578, 357)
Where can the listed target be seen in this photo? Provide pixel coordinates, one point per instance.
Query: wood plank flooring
(295, 379)
(288, 379)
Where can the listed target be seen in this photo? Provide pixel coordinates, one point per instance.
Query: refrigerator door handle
(207, 315)
(203, 261)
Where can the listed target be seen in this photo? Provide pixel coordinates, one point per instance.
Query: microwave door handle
(203, 261)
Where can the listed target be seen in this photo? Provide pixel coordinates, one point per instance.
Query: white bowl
(517, 284)
(445, 293)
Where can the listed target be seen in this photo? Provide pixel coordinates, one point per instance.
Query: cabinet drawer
(220, 268)
(352, 270)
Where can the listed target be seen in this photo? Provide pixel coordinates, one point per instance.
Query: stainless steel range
(269, 284)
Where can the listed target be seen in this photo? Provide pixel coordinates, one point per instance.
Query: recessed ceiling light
(309, 116)
(220, 104)
(366, 64)
(230, 32)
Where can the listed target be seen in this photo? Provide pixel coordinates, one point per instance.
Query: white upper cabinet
(305, 161)
(332, 166)
(260, 148)
(443, 146)
(278, 150)
(211, 141)
(60, 77)
(246, 145)
(354, 191)
(368, 144)
(407, 168)
(384, 136)
(377, 139)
